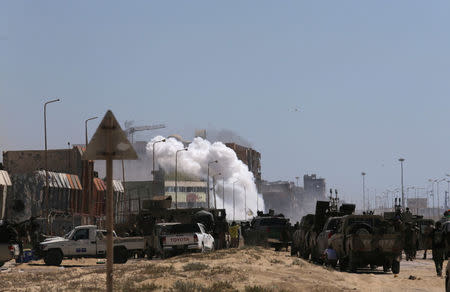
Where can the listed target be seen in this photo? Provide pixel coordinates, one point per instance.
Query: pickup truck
(362, 240)
(183, 237)
(320, 243)
(88, 241)
(9, 247)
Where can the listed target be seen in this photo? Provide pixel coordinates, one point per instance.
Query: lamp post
(214, 189)
(432, 194)
(176, 176)
(223, 193)
(245, 203)
(208, 199)
(403, 193)
(364, 190)
(153, 147)
(88, 170)
(45, 153)
(234, 205)
(438, 181)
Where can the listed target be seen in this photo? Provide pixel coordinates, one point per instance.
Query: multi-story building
(251, 158)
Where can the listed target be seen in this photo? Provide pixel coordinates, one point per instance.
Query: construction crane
(130, 129)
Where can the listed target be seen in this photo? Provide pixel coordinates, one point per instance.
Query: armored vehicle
(362, 240)
(269, 230)
(305, 240)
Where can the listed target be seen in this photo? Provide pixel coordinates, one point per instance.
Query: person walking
(234, 234)
(438, 247)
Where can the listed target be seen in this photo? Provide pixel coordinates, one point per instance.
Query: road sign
(109, 140)
(109, 143)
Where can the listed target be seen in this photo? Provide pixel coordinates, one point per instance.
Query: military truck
(362, 240)
(300, 238)
(272, 230)
(305, 240)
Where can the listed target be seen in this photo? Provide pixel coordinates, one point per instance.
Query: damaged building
(292, 200)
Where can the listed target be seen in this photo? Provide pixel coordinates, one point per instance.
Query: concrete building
(251, 158)
(314, 187)
(65, 161)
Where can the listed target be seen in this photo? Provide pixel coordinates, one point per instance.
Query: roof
(5, 180)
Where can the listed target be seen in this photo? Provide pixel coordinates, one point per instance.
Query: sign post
(109, 143)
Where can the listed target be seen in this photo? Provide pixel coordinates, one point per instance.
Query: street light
(234, 205)
(432, 194)
(214, 188)
(154, 143)
(208, 199)
(176, 176)
(437, 181)
(45, 153)
(245, 203)
(88, 170)
(364, 190)
(223, 193)
(403, 193)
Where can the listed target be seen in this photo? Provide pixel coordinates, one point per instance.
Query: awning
(4, 178)
(117, 186)
(99, 185)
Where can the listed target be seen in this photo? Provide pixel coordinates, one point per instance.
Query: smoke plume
(194, 162)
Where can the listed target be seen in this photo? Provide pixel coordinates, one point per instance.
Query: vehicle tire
(293, 251)
(1, 264)
(373, 267)
(203, 248)
(342, 265)
(53, 257)
(352, 263)
(120, 255)
(386, 267)
(395, 267)
(150, 253)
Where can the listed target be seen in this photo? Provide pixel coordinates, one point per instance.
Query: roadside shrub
(196, 266)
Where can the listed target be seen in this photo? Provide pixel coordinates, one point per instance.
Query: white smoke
(194, 162)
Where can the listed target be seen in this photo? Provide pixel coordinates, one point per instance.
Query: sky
(371, 79)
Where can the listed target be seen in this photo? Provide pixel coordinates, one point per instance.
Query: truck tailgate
(180, 239)
(390, 243)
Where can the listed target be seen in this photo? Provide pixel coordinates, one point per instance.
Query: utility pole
(176, 176)
(234, 205)
(208, 197)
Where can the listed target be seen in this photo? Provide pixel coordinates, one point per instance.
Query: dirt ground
(246, 269)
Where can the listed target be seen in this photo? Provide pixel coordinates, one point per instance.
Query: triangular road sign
(109, 140)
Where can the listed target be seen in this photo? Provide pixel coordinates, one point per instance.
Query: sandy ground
(247, 269)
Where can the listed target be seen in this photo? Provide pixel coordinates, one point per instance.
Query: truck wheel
(386, 267)
(293, 251)
(352, 263)
(1, 264)
(150, 253)
(53, 257)
(120, 255)
(342, 265)
(395, 267)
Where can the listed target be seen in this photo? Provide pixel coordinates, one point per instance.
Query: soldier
(438, 247)
(409, 241)
(234, 234)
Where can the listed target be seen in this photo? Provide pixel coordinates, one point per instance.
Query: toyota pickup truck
(177, 238)
(362, 240)
(88, 241)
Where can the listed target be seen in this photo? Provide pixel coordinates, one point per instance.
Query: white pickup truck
(88, 241)
(9, 247)
(184, 237)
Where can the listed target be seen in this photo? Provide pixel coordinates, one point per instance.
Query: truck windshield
(181, 228)
(372, 222)
(272, 221)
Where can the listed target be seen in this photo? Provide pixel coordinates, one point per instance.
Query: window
(81, 234)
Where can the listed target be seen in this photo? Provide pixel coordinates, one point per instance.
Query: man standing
(438, 247)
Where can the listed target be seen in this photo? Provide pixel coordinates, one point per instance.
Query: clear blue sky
(371, 79)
